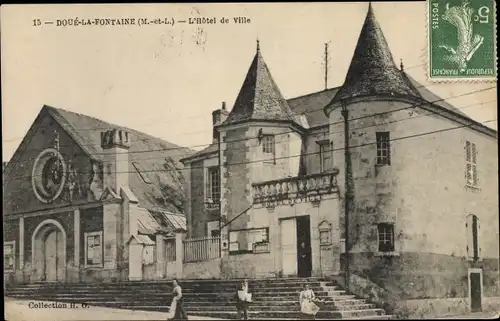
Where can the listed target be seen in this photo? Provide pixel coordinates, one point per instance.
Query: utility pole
(326, 66)
(347, 190)
(219, 202)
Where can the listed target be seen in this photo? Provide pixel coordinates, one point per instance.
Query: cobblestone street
(21, 310)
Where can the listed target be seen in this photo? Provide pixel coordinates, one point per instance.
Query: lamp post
(347, 189)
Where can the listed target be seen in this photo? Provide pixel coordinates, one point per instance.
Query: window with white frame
(269, 148)
(325, 153)
(9, 255)
(383, 148)
(213, 186)
(93, 249)
(249, 241)
(385, 237)
(471, 165)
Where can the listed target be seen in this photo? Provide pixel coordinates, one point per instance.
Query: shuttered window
(472, 228)
(471, 164)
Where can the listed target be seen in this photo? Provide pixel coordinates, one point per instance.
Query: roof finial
(258, 45)
(370, 6)
(401, 65)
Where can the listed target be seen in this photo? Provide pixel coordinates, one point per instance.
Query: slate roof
(155, 221)
(153, 187)
(259, 97)
(311, 105)
(372, 70)
(212, 148)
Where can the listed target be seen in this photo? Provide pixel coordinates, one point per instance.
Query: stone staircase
(273, 298)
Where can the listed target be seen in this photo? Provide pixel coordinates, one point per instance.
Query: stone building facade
(78, 191)
(423, 210)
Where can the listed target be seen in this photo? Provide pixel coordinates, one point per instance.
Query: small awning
(172, 221)
(141, 239)
(147, 224)
(178, 221)
(152, 222)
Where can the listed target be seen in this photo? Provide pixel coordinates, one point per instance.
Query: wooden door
(50, 256)
(304, 253)
(135, 261)
(475, 292)
(289, 247)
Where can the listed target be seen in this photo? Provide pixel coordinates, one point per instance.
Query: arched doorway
(49, 252)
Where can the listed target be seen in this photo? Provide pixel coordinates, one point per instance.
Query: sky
(165, 80)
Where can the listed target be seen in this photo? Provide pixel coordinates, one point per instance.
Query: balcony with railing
(303, 188)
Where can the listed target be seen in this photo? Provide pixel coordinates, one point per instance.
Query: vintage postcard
(250, 161)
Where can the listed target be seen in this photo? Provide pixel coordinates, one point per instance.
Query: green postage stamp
(462, 40)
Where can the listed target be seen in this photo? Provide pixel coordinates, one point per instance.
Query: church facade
(84, 202)
(418, 181)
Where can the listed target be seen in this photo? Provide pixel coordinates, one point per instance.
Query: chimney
(218, 117)
(115, 144)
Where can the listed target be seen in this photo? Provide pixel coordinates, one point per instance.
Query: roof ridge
(314, 93)
(111, 125)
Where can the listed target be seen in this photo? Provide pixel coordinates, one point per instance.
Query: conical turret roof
(259, 97)
(372, 70)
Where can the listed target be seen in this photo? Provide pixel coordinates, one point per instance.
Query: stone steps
(273, 298)
(292, 314)
(282, 292)
(228, 307)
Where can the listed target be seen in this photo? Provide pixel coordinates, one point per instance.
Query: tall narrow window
(470, 164)
(383, 148)
(385, 237)
(268, 147)
(213, 185)
(325, 152)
